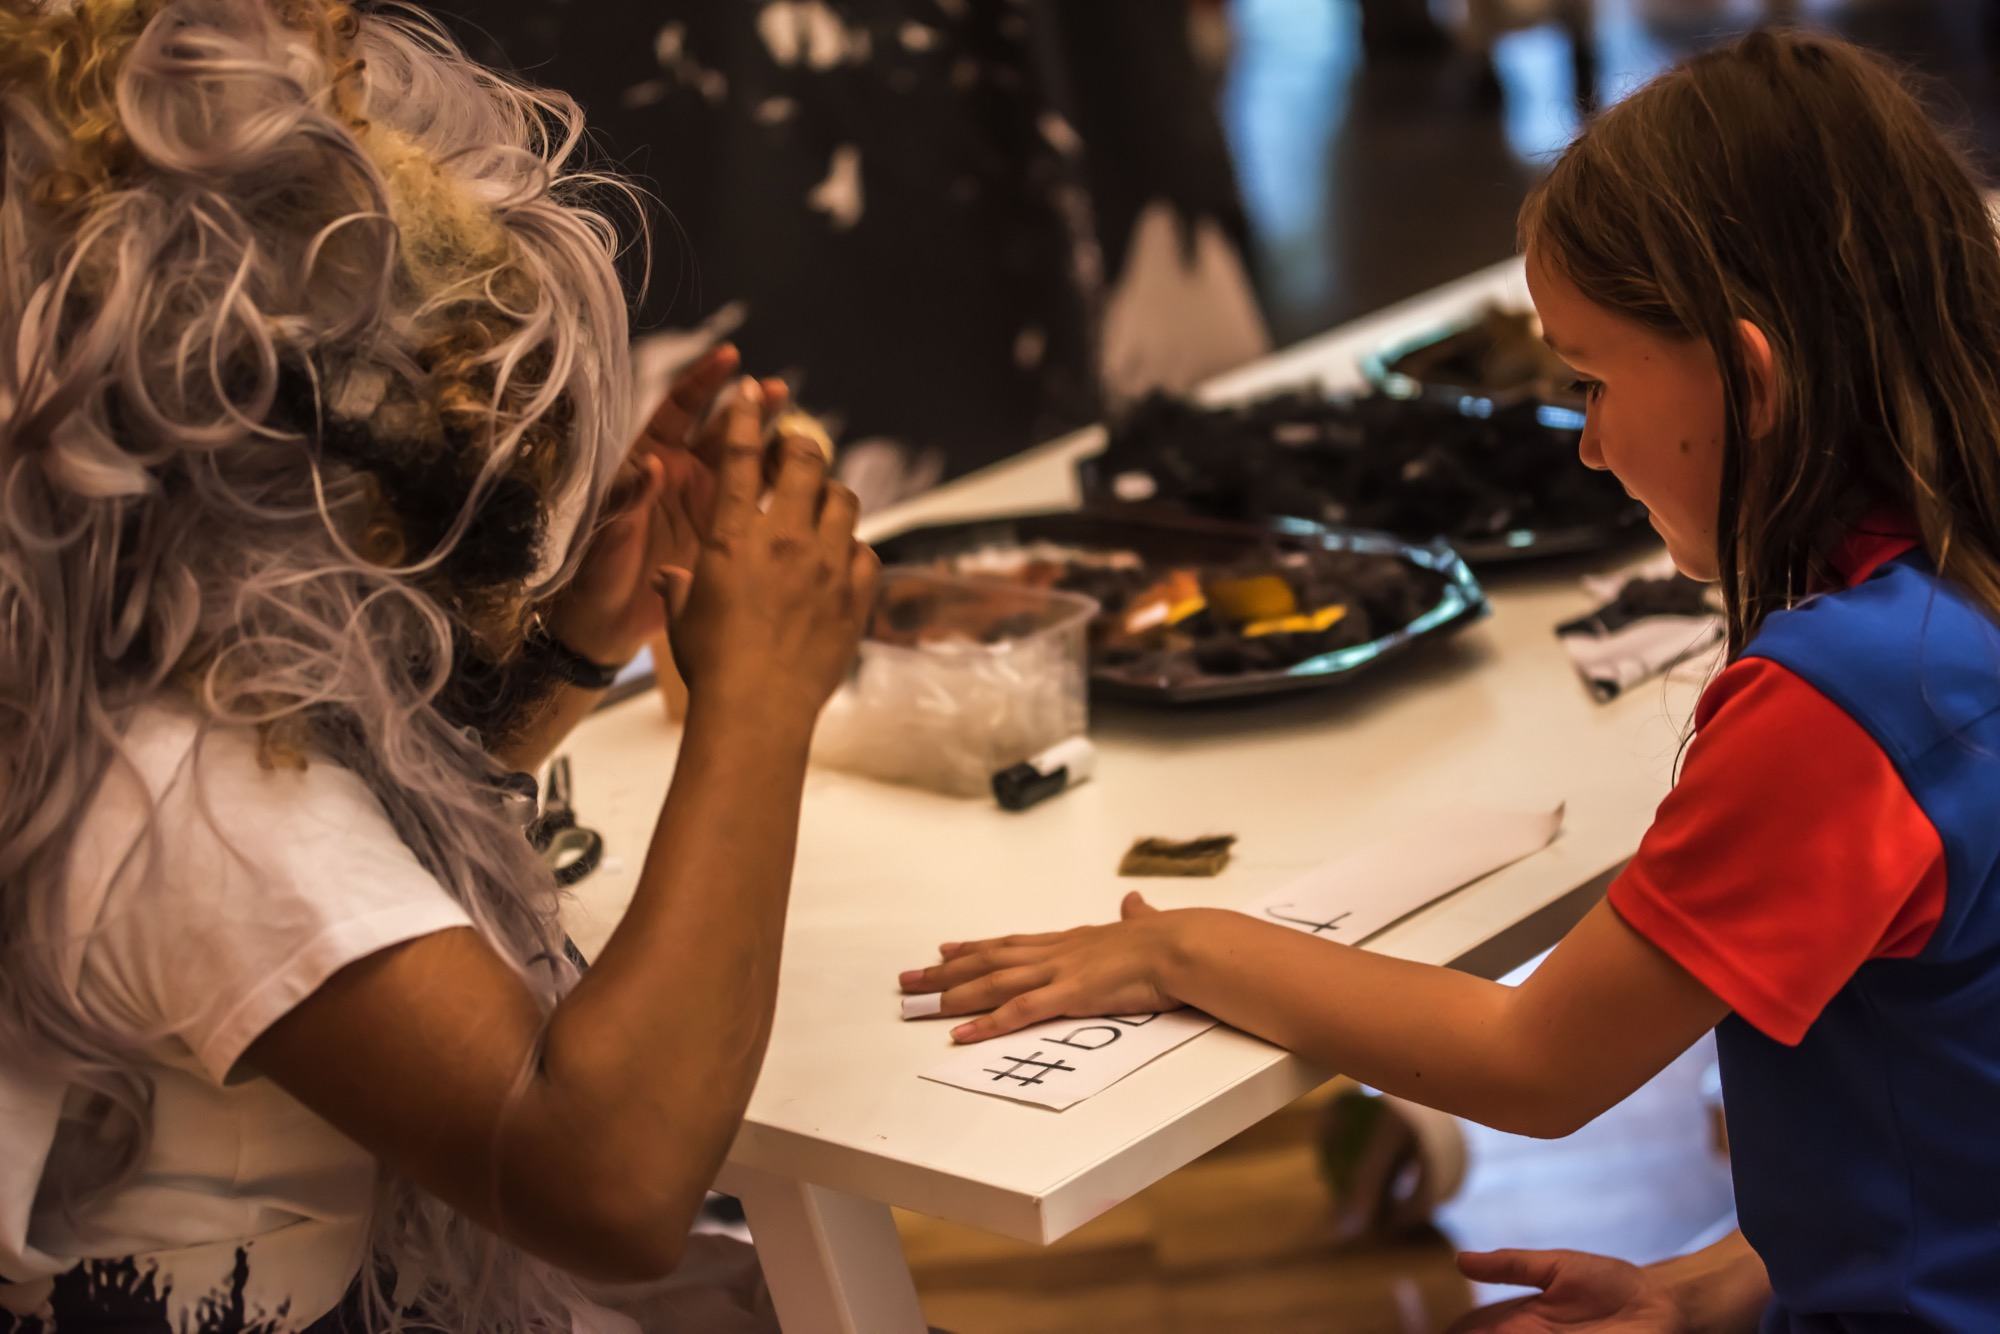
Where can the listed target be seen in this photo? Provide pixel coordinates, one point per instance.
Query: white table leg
(833, 1262)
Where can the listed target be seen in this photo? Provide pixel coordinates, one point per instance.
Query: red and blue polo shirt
(1829, 866)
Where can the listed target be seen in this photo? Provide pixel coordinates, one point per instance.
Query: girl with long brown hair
(1780, 288)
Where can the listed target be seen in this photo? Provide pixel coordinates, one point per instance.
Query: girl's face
(1656, 413)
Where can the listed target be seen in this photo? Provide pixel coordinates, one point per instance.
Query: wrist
(749, 717)
(1720, 1290)
(572, 652)
(774, 699)
(606, 653)
(1186, 934)
(1691, 1297)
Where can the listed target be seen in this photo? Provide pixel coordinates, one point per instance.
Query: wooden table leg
(833, 1262)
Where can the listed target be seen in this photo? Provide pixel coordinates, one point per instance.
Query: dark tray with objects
(1503, 487)
(1194, 610)
(1496, 359)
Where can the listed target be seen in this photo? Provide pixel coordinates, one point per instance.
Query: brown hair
(1795, 182)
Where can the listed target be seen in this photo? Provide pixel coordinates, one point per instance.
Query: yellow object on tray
(1257, 597)
(1310, 623)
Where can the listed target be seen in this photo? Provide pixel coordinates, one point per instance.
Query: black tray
(1598, 532)
(1378, 368)
(1460, 602)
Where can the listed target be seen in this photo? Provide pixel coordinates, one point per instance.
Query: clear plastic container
(957, 679)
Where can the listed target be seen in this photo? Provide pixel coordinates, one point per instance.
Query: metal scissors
(571, 850)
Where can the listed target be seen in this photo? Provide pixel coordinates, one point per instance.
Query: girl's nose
(1590, 448)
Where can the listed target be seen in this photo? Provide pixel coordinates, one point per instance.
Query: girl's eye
(1588, 390)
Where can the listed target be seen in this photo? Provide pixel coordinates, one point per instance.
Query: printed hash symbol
(1307, 923)
(1017, 1063)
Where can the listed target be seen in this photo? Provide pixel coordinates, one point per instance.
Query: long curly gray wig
(312, 358)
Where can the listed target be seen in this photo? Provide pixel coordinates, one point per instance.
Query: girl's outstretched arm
(1605, 1013)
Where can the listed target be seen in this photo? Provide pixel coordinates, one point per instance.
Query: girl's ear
(1761, 367)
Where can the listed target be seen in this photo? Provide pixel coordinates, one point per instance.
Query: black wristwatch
(560, 660)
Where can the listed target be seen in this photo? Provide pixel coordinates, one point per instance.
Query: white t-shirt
(248, 1206)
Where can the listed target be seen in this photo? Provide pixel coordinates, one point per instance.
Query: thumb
(639, 481)
(626, 516)
(1135, 905)
(655, 482)
(672, 583)
(1518, 1269)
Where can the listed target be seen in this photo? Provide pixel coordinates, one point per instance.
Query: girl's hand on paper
(1013, 981)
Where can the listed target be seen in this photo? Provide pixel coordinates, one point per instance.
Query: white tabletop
(1493, 715)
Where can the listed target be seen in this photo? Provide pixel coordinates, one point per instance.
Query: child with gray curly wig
(320, 523)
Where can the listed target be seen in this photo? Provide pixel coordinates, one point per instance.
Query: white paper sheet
(1060, 1063)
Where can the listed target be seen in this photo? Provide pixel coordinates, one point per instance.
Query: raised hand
(660, 505)
(773, 609)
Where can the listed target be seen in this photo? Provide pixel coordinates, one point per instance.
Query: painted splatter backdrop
(956, 222)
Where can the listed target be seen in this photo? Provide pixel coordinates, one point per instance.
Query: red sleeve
(1788, 854)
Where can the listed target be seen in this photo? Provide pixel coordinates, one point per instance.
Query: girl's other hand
(1090, 970)
(1580, 1294)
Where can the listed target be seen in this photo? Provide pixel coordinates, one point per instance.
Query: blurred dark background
(961, 227)
(1369, 178)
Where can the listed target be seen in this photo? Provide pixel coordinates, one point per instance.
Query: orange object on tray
(1169, 602)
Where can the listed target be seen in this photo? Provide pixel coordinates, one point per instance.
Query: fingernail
(910, 978)
(922, 1007)
(753, 393)
(961, 1033)
(948, 947)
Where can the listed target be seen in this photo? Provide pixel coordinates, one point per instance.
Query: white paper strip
(1376, 885)
(1060, 1063)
